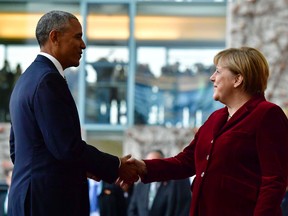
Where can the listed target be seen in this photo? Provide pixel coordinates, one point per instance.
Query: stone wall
(139, 140)
(263, 24)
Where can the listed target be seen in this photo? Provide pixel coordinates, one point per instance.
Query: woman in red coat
(240, 154)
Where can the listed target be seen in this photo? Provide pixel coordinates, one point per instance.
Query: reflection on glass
(72, 76)
(2, 55)
(13, 61)
(106, 85)
(177, 91)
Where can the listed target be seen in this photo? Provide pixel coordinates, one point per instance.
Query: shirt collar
(54, 61)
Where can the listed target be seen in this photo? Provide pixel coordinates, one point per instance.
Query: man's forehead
(75, 26)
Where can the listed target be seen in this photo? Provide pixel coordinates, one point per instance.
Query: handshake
(130, 171)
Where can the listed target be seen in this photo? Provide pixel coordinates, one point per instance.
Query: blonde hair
(249, 63)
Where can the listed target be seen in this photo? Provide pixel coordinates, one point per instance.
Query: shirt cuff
(119, 162)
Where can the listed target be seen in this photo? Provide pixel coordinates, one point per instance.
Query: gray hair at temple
(53, 20)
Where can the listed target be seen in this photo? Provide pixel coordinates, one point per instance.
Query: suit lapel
(220, 121)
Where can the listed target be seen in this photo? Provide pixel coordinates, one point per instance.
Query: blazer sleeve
(57, 118)
(272, 146)
(177, 167)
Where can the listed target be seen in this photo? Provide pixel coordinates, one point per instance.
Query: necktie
(6, 203)
(93, 196)
(152, 194)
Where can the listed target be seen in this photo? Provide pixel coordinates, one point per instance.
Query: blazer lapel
(223, 125)
(220, 121)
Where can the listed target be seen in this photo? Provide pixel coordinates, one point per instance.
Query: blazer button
(207, 157)
(202, 174)
(212, 141)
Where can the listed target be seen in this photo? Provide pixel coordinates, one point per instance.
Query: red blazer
(241, 165)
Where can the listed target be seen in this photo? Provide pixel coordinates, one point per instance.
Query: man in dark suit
(51, 161)
(168, 198)
(113, 200)
(108, 199)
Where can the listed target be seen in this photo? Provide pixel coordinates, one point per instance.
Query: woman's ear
(238, 80)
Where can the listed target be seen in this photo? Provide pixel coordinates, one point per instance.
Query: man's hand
(127, 172)
(140, 165)
(135, 167)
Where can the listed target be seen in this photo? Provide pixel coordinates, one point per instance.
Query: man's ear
(53, 36)
(238, 80)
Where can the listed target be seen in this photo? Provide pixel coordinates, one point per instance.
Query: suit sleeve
(182, 197)
(272, 146)
(132, 209)
(57, 118)
(172, 201)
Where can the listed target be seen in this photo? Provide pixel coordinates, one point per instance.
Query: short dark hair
(53, 20)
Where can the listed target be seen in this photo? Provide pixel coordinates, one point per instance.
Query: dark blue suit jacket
(50, 158)
(172, 199)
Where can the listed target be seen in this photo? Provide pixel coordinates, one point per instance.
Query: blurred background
(143, 81)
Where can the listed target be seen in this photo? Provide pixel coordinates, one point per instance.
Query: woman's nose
(212, 77)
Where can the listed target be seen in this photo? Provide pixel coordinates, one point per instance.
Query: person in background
(4, 196)
(18, 72)
(51, 160)
(113, 200)
(166, 198)
(240, 154)
(94, 190)
(6, 85)
(108, 199)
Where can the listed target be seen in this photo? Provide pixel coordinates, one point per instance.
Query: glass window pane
(16, 59)
(106, 65)
(107, 22)
(149, 63)
(106, 84)
(172, 86)
(194, 101)
(16, 53)
(185, 21)
(2, 55)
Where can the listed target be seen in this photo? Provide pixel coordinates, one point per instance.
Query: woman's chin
(215, 97)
